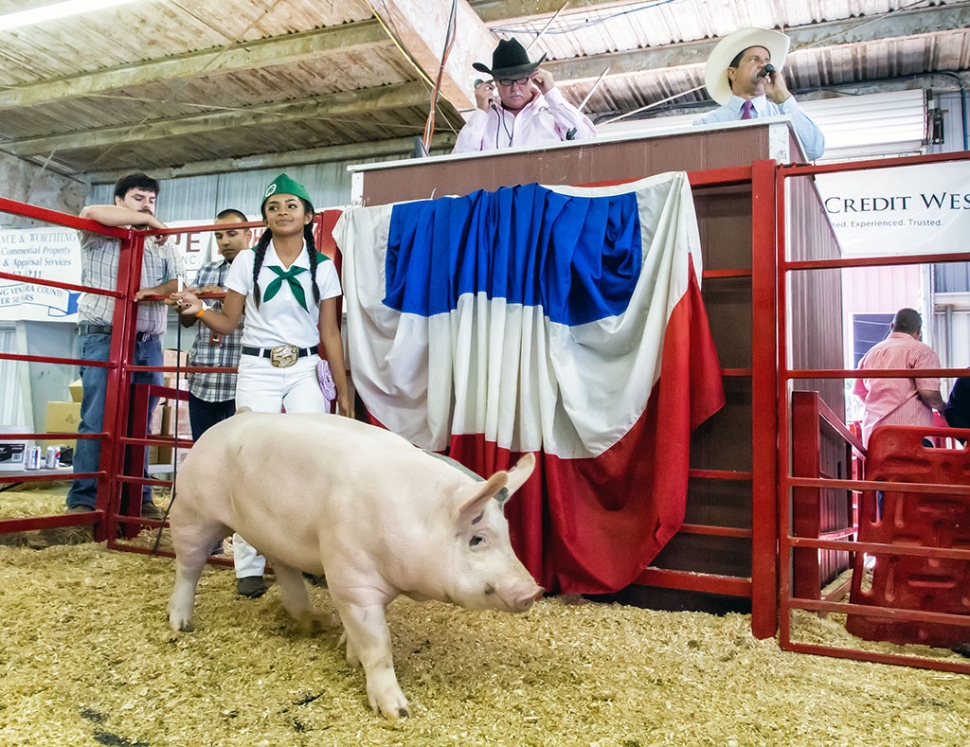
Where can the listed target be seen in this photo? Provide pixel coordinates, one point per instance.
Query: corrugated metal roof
(172, 83)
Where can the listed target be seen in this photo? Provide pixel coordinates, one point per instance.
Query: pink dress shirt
(896, 401)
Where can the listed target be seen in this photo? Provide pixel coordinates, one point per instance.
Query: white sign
(54, 253)
(903, 210)
(51, 253)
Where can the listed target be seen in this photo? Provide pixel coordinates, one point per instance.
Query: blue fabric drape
(578, 258)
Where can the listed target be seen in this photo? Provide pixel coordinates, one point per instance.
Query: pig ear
(500, 486)
(521, 472)
(475, 497)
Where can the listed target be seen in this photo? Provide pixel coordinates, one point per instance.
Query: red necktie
(747, 110)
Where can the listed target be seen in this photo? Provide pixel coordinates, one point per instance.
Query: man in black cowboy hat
(527, 110)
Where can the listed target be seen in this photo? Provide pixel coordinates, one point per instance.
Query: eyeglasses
(506, 83)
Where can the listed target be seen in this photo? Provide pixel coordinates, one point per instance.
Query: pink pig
(329, 495)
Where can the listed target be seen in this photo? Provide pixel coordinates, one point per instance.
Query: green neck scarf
(290, 277)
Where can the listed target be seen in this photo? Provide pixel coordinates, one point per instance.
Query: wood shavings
(88, 658)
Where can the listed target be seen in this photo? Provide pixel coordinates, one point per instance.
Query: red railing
(800, 423)
(773, 476)
(118, 366)
(116, 518)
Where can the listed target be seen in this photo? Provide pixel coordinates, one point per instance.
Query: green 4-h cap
(285, 186)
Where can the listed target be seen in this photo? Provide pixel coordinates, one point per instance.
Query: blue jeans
(87, 453)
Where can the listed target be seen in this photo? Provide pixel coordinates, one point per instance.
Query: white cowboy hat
(715, 74)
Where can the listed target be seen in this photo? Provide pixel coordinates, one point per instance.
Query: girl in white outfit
(289, 293)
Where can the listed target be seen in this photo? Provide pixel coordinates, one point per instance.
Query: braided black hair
(260, 252)
(311, 245)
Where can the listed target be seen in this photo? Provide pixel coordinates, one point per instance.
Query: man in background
(212, 396)
(134, 206)
(519, 106)
(743, 74)
(903, 401)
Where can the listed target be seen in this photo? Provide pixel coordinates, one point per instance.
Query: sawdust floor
(87, 658)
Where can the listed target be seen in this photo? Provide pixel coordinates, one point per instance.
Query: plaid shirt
(99, 269)
(214, 387)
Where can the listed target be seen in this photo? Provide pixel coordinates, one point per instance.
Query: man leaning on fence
(134, 205)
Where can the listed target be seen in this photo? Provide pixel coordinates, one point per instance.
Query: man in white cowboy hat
(739, 78)
(519, 106)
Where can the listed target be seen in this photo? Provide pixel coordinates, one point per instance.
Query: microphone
(766, 70)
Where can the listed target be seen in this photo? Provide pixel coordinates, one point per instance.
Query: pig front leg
(183, 596)
(369, 645)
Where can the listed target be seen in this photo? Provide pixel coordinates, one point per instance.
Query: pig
(328, 495)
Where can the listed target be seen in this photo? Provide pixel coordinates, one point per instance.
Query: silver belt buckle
(284, 356)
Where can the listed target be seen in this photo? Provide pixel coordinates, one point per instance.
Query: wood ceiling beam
(935, 20)
(420, 27)
(346, 104)
(265, 52)
(369, 34)
(441, 142)
(240, 56)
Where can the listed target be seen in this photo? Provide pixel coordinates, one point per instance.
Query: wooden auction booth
(725, 557)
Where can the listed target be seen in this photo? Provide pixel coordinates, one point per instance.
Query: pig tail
(311, 246)
(260, 252)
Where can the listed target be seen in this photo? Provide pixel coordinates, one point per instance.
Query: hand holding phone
(485, 95)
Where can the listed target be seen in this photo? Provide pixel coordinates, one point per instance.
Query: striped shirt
(99, 269)
(896, 401)
(212, 349)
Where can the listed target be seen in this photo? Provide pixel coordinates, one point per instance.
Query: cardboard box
(169, 415)
(157, 423)
(162, 456)
(76, 390)
(62, 417)
(171, 358)
(183, 381)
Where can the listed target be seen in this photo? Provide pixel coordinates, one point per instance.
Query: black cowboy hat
(509, 60)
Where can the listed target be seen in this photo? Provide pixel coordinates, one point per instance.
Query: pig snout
(524, 602)
(517, 597)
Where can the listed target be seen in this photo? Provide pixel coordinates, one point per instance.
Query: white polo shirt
(281, 320)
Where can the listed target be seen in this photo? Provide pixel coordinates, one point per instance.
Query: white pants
(264, 388)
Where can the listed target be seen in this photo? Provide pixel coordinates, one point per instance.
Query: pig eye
(476, 540)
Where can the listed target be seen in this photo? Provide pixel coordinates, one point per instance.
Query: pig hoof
(183, 625)
(389, 701)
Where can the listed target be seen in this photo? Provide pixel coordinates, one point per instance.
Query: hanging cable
(175, 427)
(450, 36)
